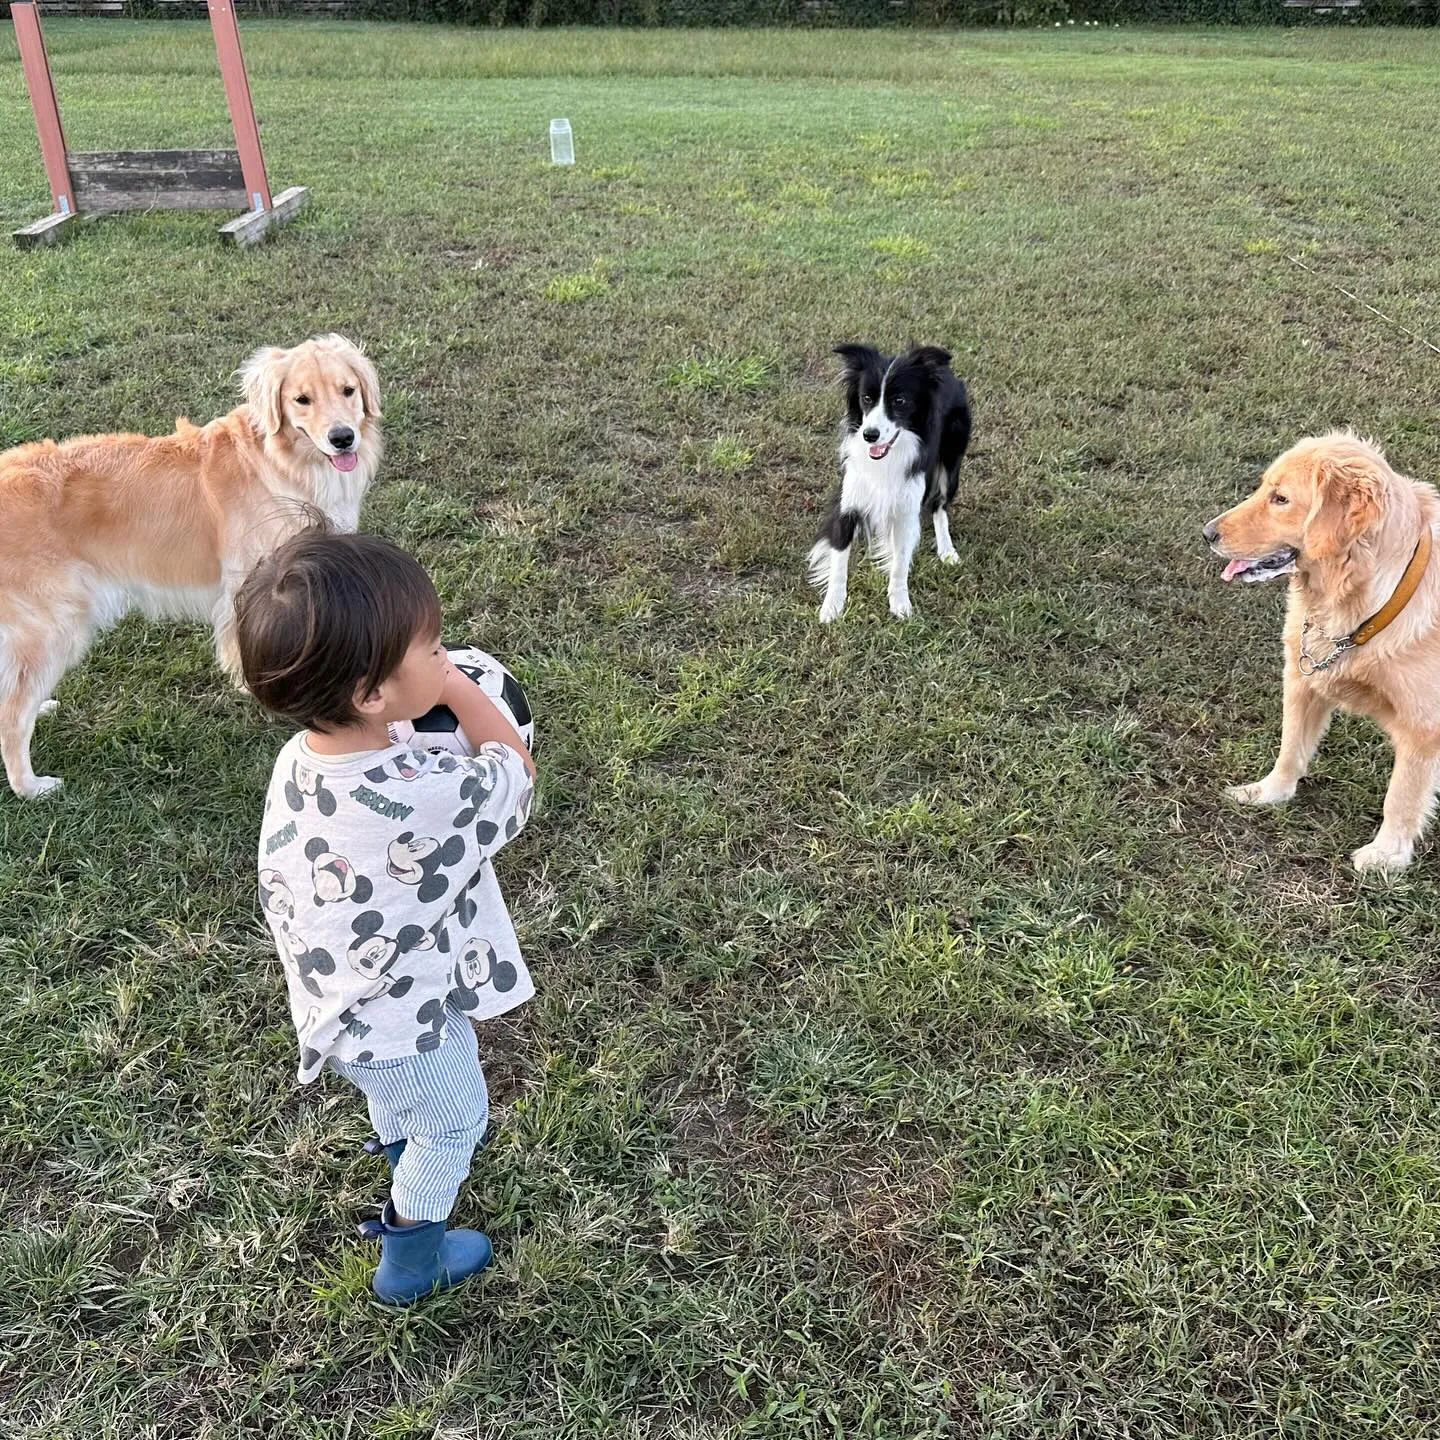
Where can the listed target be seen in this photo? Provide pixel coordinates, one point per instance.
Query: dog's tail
(817, 566)
(880, 547)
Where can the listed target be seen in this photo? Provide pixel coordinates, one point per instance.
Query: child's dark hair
(325, 616)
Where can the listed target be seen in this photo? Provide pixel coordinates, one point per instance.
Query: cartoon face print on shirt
(418, 859)
(333, 876)
(276, 897)
(373, 953)
(306, 780)
(398, 767)
(303, 962)
(478, 967)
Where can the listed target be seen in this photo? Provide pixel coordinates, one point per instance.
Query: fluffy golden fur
(1354, 524)
(96, 526)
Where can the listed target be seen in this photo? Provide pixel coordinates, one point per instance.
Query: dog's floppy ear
(857, 357)
(929, 357)
(261, 377)
(369, 384)
(1348, 492)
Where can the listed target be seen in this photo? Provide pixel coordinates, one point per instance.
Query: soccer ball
(439, 730)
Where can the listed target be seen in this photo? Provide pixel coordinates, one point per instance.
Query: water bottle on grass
(562, 143)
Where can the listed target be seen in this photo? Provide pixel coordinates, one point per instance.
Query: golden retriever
(96, 526)
(1332, 513)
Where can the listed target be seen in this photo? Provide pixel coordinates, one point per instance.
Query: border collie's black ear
(857, 356)
(932, 357)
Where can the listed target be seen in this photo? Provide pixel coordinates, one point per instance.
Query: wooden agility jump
(107, 181)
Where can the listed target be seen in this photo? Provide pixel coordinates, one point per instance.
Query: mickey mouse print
(377, 886)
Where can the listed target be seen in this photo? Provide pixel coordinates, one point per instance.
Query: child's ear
(367, 701)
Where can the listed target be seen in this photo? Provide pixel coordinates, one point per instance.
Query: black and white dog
(905, 433)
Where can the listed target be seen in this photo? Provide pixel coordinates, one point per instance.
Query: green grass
(723, 372)
(922, 1046)
(729, 454)
(583, 285)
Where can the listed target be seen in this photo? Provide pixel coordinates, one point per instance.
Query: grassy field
(923, 1047)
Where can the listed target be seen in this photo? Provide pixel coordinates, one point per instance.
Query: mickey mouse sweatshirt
(376, 882)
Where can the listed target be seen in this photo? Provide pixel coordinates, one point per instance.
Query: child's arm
(480, 718)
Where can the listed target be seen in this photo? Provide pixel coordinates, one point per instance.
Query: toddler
(375, 873)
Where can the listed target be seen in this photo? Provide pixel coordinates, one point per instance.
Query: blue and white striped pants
(437, 1103)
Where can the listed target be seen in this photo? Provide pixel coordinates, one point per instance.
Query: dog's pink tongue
(345, 461)
(877, 452)
(1234, 568)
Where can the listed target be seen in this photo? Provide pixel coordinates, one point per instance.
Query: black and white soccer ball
(439, 730)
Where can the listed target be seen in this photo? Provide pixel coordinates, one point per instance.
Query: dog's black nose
(1211, 532)
(342, 437)
(870, 435)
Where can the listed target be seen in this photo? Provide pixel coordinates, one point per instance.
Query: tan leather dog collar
(1367, 630)
(1409, 583)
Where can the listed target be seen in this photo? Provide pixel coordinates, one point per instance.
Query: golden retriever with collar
(96, 526)
(1356, 537)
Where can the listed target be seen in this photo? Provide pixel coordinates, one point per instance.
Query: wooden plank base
(49, 231)
(247, 229)
(250, 228)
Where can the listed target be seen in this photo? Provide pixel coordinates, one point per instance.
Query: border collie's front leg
(830, 559)
(939, 503)
(904, 537)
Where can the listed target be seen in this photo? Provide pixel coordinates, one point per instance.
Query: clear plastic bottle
(562, 143)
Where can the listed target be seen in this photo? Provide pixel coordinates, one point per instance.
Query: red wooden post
(237, 96)
(42, 100)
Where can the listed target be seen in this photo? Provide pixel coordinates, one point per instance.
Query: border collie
(904, 435)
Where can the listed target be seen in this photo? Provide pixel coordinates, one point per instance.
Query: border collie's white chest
(876, 487)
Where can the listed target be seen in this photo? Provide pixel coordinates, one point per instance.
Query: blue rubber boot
(392, 1152)
(418, 1260)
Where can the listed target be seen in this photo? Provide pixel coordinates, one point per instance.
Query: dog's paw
(900, 607)
(49, 707)
(41, 785)
(831, 610)
(1268, 791)
(949, 557)
(1382, 855)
